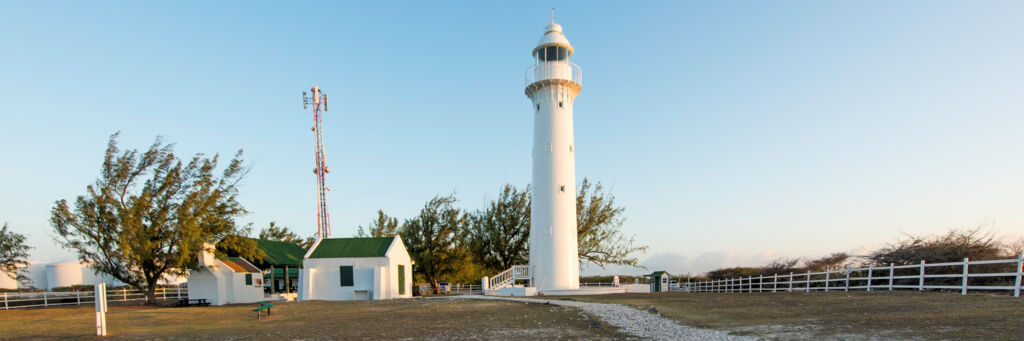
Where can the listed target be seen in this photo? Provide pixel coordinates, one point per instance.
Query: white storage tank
(63, 274)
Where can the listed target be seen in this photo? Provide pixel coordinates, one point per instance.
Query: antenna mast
(318, 101)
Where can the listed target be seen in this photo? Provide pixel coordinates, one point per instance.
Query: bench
(188, 302)
(263, 306)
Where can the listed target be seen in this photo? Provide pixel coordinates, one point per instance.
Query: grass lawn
(841, 315)
(436, 318)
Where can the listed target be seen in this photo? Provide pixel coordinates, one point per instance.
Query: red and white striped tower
(318, 100)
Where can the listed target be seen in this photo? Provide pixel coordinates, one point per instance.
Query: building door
(657, 285)
(401, 279)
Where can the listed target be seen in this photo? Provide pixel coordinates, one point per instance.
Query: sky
(732, 132)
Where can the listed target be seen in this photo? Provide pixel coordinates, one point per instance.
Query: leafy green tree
(13, 253)
(283, 234)
(499, 235)
(433, 238)
(149, 213)
(598, 221)
(383, 226)
(240, 245)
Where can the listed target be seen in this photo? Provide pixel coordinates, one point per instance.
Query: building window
(346, 275)
(538, 107)
(559, 104)
(570, 147)
(561, 188)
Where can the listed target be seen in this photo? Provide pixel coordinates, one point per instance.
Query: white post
(750, 283)
(847, 279)
(45, 303)
(163, 292)
(179, 291)
(124, 294)
(870, 268)
(807, 282)
(963, 291)
(5, 294)
(100, 294)
(78, 295)
(827, 273)
(920, 282)
(1016, 287)
(892, 273)
(484, 283)
(790, 281)
(760, 283)
(775, 282)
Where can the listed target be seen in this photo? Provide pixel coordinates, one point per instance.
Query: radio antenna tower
(316, 98)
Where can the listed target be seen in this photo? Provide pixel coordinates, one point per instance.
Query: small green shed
(659, 281)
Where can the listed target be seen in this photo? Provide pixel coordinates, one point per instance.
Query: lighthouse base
(585, 291)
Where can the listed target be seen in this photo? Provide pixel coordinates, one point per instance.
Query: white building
(225, 280)
(342, 269)
(552, 85)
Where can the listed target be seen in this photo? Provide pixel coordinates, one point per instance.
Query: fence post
(847, 279)
(870, 267)
(827, 273)
(78, 295)
(1020, 272)
(760, 284)
(892, 273)
(163, 291)
(1016, 287)
(964, 290)
(179, 291)
(5, 294)
(750, 283)
(920, 282)
(807, 282)
(45, 303)
(124, 294)
(775, 282)
(790, 281)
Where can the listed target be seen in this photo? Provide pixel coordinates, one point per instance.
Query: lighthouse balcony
(555, 71)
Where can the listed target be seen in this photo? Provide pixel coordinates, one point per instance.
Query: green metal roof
(658, 274)
(352, 247)
(280, 253)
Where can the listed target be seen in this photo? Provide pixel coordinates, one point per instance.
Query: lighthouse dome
(553, 37)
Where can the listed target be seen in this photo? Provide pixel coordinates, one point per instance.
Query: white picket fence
(15, 300)
(869, 278)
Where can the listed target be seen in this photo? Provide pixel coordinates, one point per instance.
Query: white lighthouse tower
(552, 84)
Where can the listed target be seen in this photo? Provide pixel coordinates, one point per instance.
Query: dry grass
(841, 315)
(440, 318)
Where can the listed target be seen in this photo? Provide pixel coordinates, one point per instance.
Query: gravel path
(640, 323)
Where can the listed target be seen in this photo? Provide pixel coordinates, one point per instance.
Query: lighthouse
(552, 84)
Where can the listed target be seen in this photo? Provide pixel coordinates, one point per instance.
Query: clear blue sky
(732, 132)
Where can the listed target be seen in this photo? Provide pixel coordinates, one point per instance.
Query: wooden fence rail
(892, 277)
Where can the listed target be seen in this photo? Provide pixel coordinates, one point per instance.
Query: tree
(240, 245)
(499, 235)
(598, 221)
(433, 236)
(282, 234)
(384, 226)
(139, 230)
(13, 253)
(832, 262)
(953, 246)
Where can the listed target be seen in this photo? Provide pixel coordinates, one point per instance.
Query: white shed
(342, 269)
(225, 280)
(659, 281)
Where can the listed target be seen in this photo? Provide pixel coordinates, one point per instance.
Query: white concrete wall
(241, 293)
(204, 284)
(324, 282)
(398, 255)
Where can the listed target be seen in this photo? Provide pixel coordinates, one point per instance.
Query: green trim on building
(352, 247)
(346, 275)
(658, 274)
(279, 273)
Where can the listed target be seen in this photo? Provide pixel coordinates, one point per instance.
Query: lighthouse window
(561, 188)
(559, 104)
(552, 53)
(538, 107)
